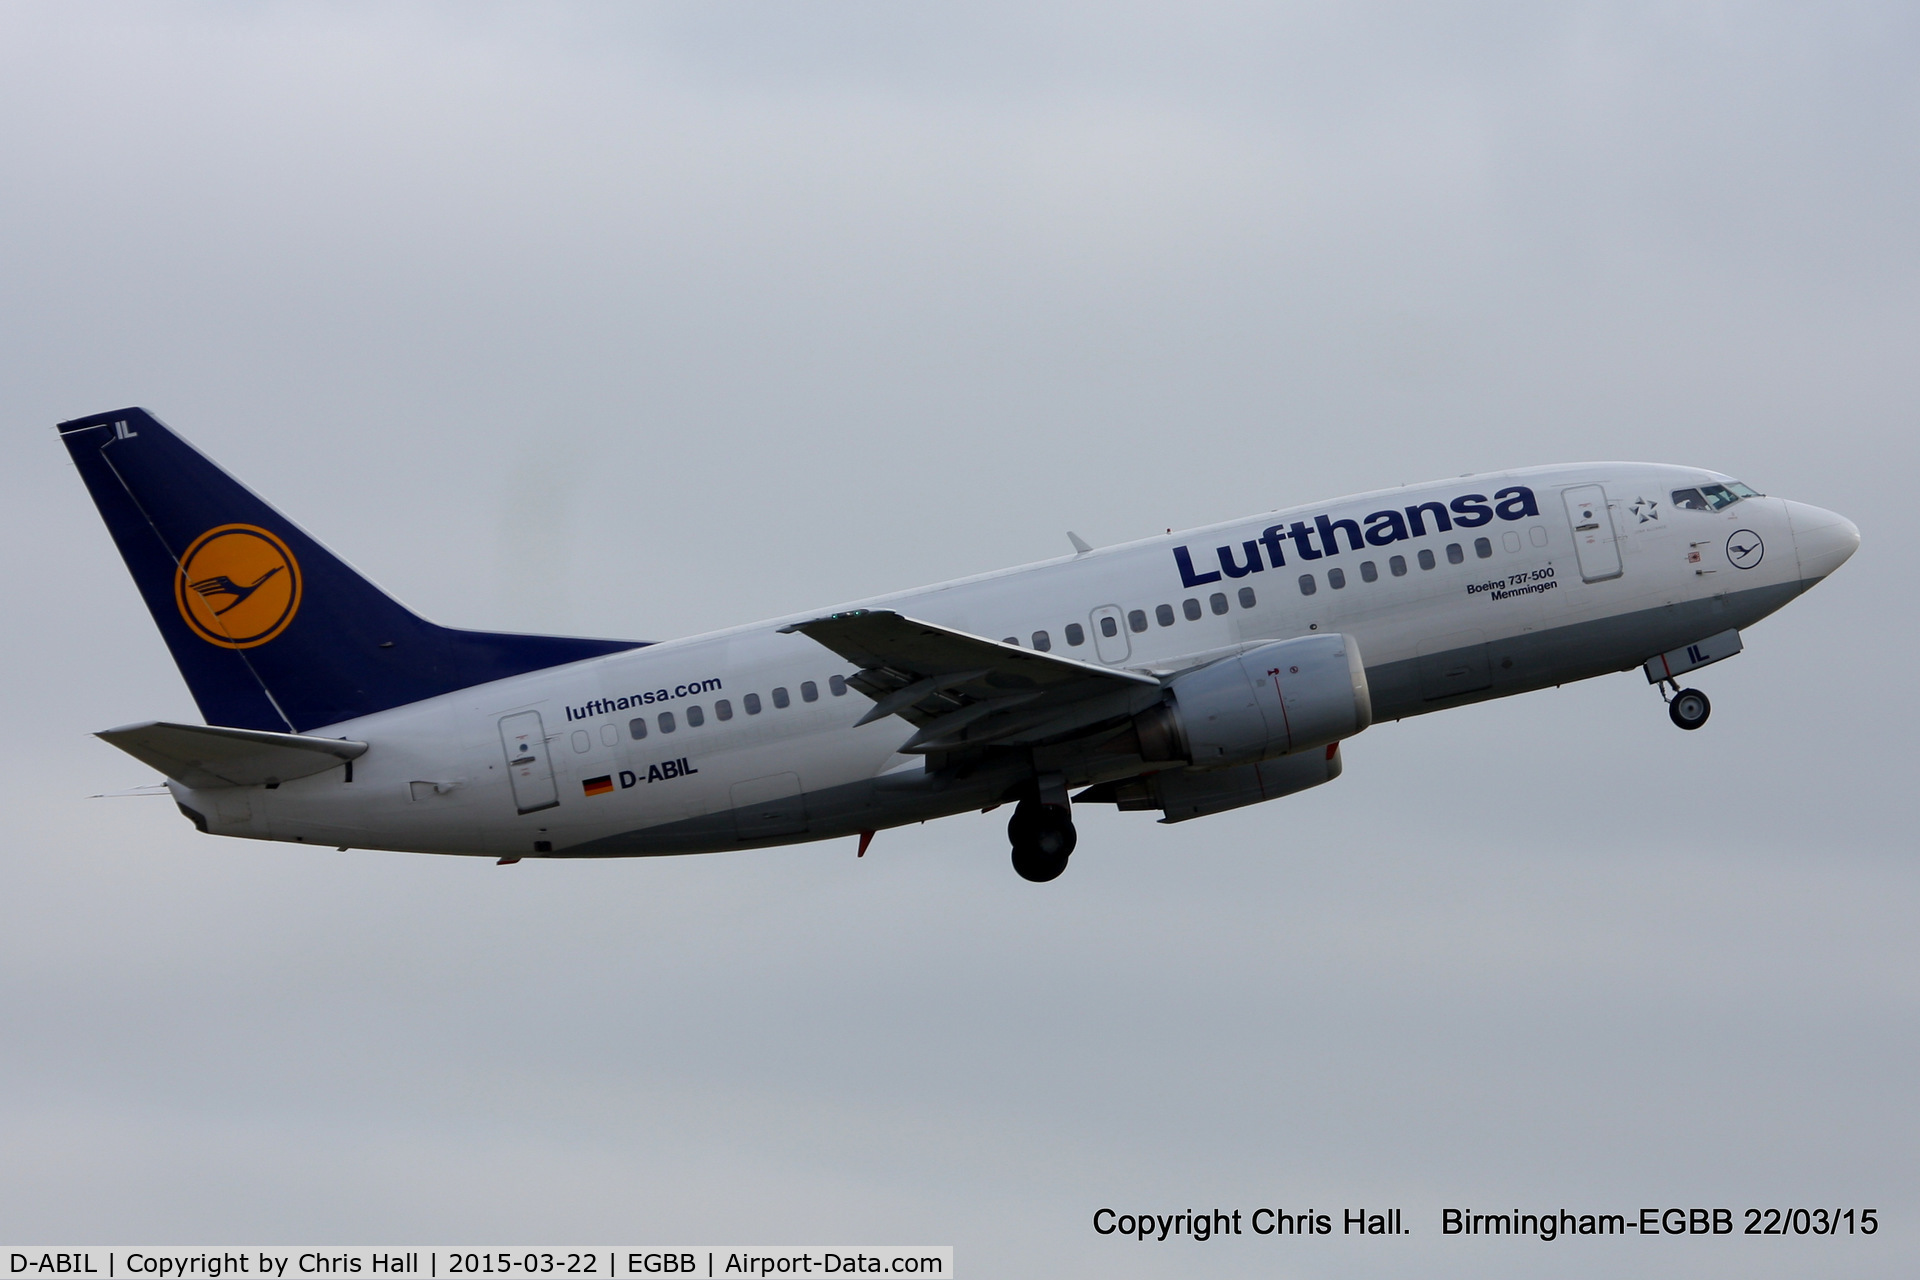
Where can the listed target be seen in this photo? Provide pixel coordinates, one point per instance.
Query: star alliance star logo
(1646, 508)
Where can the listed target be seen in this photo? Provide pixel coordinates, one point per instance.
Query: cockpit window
(1711, 497)
(1689, 500)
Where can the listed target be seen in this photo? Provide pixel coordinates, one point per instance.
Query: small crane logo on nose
(1744, 549)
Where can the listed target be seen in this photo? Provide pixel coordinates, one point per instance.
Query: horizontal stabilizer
(202, 755)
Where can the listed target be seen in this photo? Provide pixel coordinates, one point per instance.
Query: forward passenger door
(1594, 541)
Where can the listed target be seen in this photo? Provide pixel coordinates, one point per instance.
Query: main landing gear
(1043, 838)
(1687, 708)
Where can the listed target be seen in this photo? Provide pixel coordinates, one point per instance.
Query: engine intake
(1270, 701)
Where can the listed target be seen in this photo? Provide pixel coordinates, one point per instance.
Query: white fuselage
(1511, 602)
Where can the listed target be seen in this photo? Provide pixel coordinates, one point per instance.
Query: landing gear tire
(1043, 840)
(1037, 866)
(1689, 709)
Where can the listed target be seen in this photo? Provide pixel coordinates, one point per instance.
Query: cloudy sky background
(766, 307)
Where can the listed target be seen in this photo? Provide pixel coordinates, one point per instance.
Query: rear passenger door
(528, 766)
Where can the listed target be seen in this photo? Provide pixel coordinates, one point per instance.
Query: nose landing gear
(1043, 839)
(1688, 708)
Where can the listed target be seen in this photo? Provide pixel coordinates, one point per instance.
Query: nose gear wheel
(1689, 708)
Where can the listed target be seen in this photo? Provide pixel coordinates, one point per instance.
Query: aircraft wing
(960, 689)
(202, 755)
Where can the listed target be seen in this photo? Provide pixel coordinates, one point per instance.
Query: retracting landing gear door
(1593, 538)
(528, 764)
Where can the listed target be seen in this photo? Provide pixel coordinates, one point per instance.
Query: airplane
(1183, 675)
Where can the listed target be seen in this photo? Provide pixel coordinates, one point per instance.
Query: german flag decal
(599, 786)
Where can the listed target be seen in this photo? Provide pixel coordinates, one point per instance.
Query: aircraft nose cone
(1823, 539)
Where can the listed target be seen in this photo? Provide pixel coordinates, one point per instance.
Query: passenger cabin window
(1398, 564)
(666, 722)
(1426, 559)
(1217, 602)
(809, 691)
(1483, 547)
(581, 742)
(752, 703)
(1163, 614)
(1076, 634)
(1010, 639)
(1137, 619)
(1369, 571)
(1337, 578)
(1108, 627)
(723, 709)
(836, 685)
(1246, 597)
(780, 697)
(637, 728)
(1307, 584)
(1042, 641)
(1454, 554)
(696, 717)
(1191, 608)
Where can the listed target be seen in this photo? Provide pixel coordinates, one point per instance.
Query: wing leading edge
(960, 690)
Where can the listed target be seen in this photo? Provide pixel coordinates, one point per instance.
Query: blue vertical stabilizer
(269, 628)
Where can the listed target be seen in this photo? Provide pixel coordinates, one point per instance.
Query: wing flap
(202, 755)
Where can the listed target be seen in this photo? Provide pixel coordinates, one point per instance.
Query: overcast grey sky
(773, 306)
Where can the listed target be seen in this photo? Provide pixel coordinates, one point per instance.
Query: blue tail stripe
(342, 647)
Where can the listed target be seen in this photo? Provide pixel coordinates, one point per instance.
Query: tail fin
(269, 628)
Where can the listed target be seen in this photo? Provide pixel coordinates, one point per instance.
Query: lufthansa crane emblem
(1744, 549)
(238, 586)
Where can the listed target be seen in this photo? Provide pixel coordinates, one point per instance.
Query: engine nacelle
(1281, 698)
(1181, 794)
(1192, 793)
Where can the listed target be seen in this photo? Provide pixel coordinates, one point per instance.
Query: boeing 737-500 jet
(1183, 675)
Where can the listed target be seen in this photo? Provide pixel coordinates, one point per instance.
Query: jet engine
(1280, 698)
(1181, 794)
